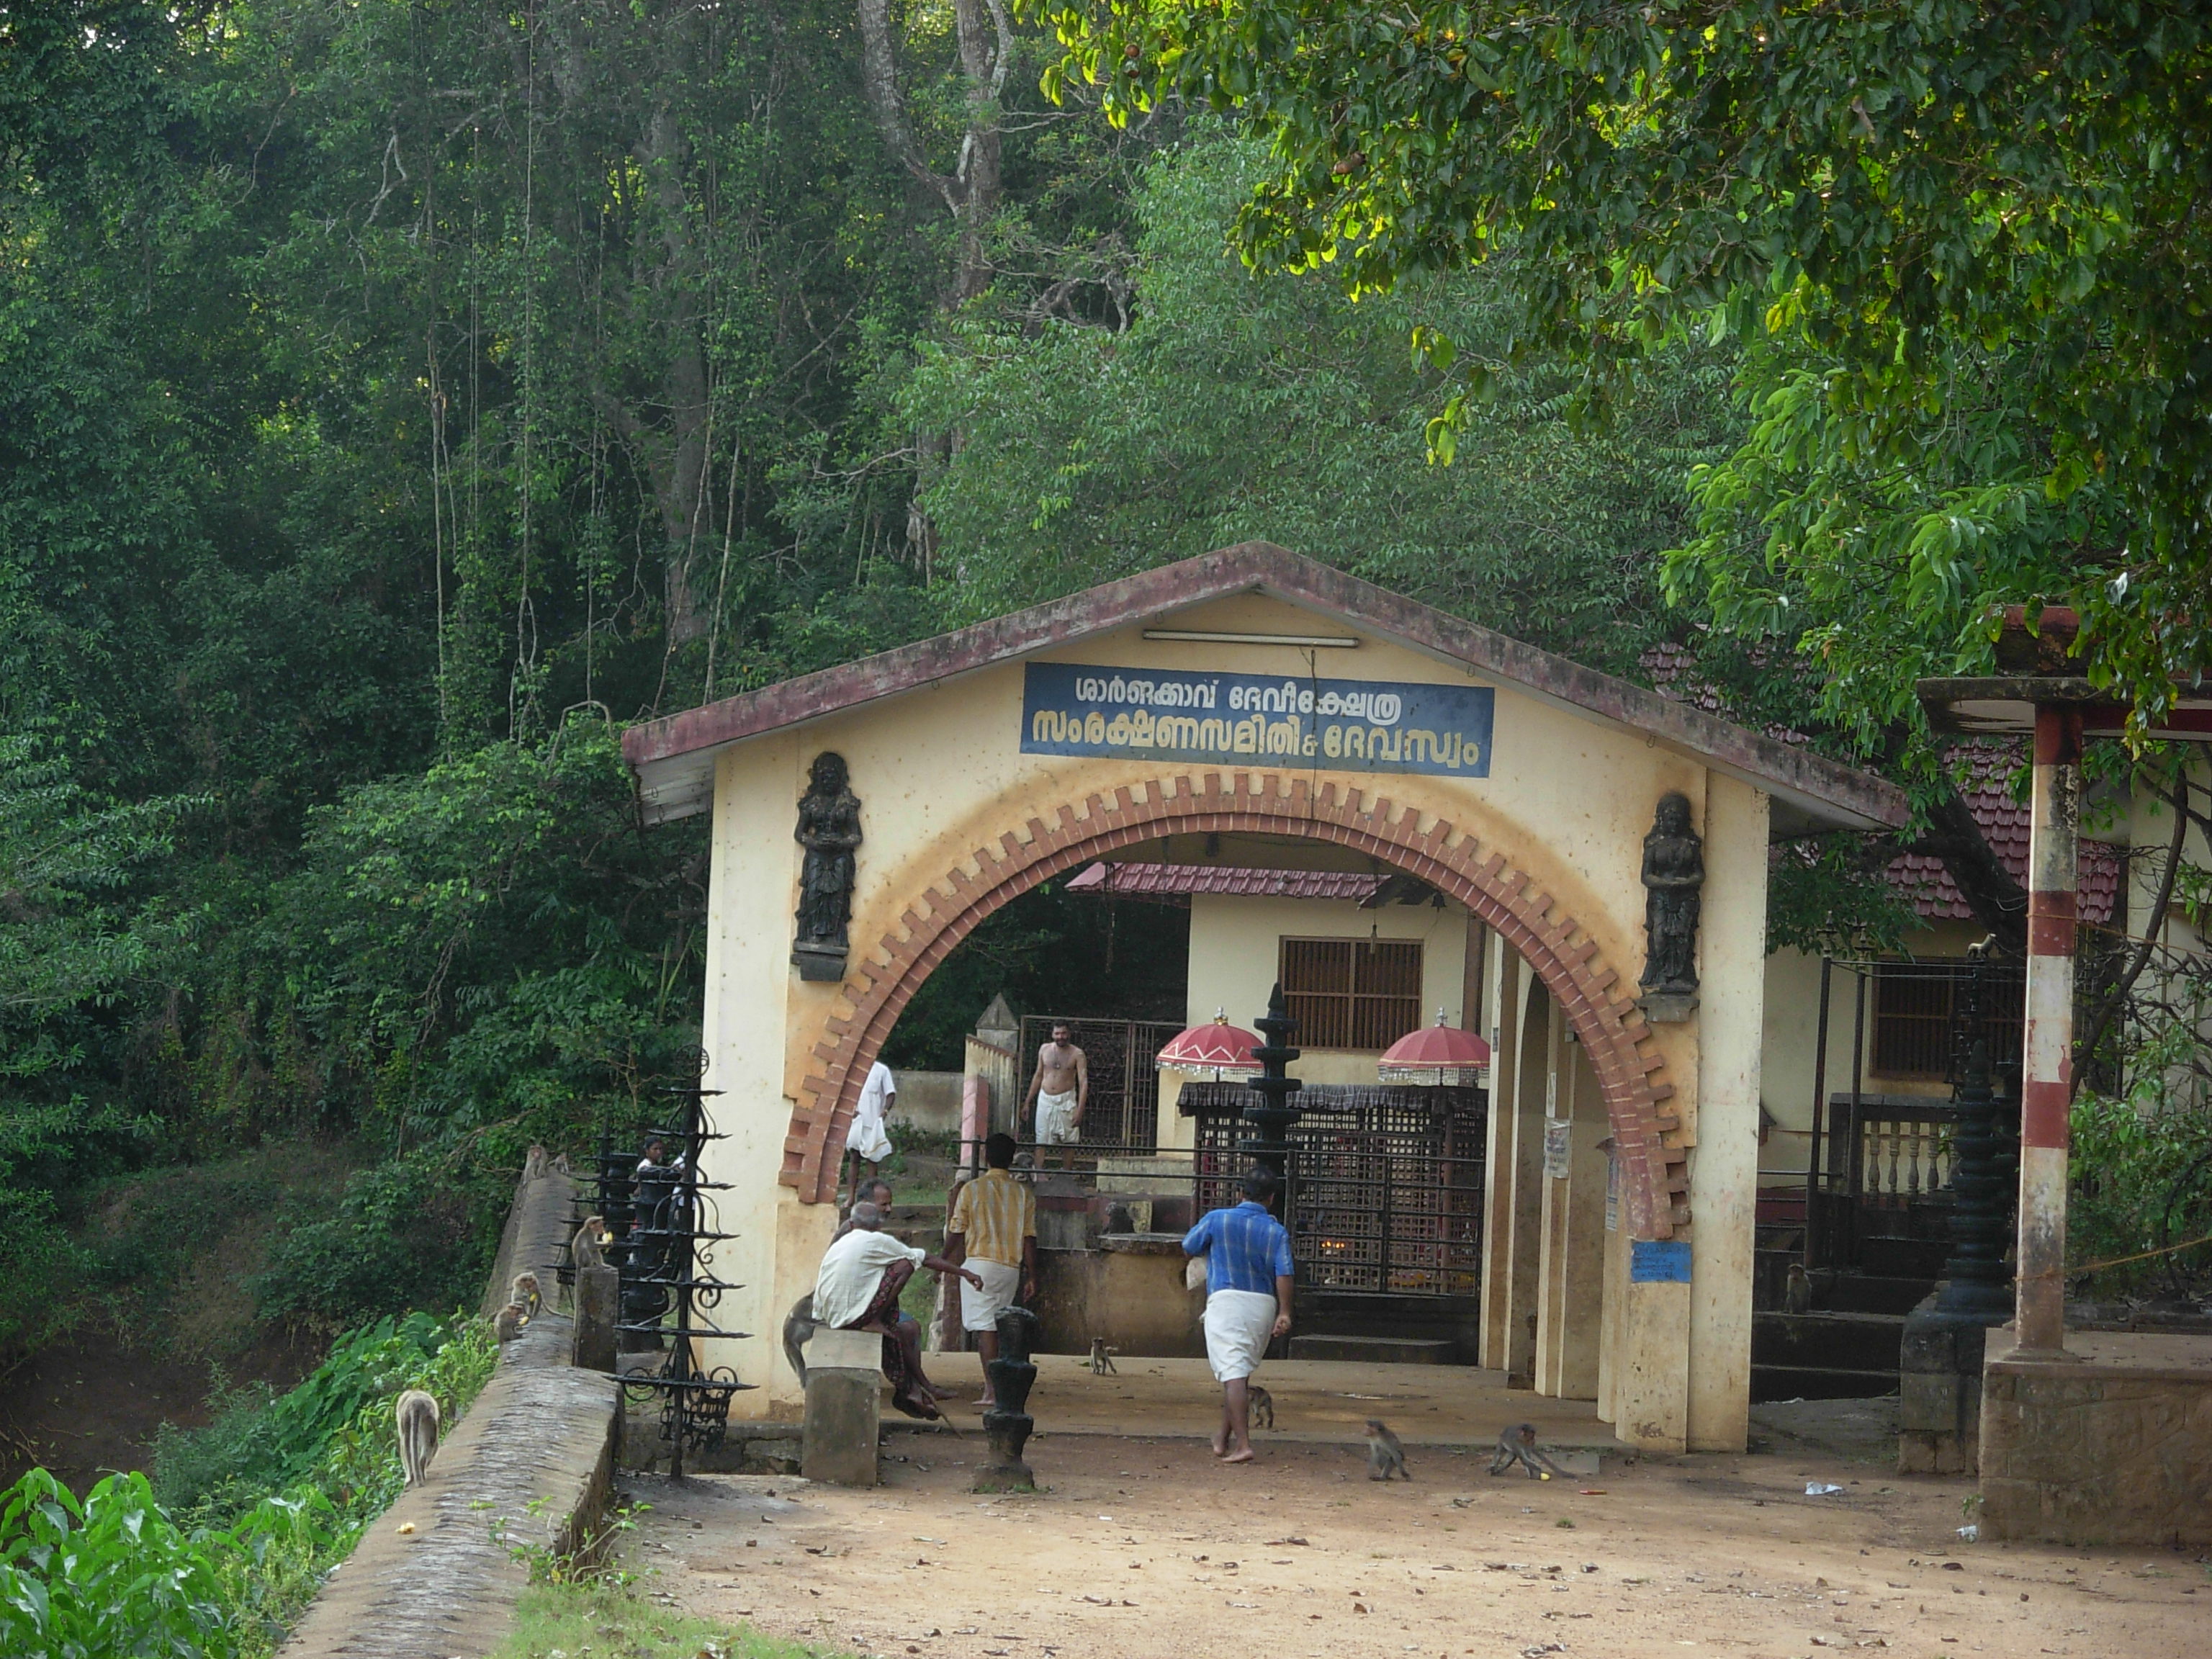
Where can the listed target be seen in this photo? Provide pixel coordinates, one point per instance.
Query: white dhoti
(1239, 1325)
(867, 1137)
(1055, 1118)
(980, 1308)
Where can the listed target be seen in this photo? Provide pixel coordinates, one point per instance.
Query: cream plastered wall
(939, 772)
(2147, 826)
(1235, 948)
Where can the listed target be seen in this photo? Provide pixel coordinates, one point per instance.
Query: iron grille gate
(1386, 1183)
(1124, 1108)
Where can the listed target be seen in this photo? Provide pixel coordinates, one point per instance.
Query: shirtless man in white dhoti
(1059, 1091)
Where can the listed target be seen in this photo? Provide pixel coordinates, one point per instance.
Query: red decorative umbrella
(1217, 1047)
(1436, 1056)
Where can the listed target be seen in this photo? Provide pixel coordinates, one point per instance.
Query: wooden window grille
(1352, 993)
(1915, 1005)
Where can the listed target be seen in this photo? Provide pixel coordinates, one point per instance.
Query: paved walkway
(1316, 1400)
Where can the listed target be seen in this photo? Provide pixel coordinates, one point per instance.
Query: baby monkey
(508, 1323)
(1262, 1407)
(1385, 1457)
(1101, 1358)
(1517, 1445)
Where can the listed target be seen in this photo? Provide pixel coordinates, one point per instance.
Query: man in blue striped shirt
(1247, 1300)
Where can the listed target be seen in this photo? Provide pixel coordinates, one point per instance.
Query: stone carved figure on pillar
(1674, 876)
(830, 829)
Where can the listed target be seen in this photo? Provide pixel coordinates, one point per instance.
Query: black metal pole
(1978, 1282)
(1272, 1115)
(1819, 1108)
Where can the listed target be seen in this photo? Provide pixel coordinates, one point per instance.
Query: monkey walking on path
(1517, 1445)
(1263, 1408)
(1385, 1457)
(418, 1414)
(1101, 1358)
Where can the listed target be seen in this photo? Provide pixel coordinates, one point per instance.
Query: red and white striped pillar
(2047, 1048)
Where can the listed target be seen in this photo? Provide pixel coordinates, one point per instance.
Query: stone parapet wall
(529, 1468)
(2111, 1446)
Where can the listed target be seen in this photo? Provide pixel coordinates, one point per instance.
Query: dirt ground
(1139, 1545)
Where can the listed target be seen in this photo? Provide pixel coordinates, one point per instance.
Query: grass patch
(608, 1621)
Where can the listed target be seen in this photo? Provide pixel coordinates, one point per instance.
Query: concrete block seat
(844, 1408)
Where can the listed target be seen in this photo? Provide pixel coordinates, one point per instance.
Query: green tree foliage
(1238, 407)
(1965, 239)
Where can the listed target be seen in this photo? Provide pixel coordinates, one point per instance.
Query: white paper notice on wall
(1558, 1148)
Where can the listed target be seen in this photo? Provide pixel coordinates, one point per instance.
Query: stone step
(1372, 1350)
(1772, 1383)
(1872, 1293)
(1847, 1342)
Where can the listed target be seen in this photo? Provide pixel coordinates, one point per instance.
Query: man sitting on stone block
(858, 1290)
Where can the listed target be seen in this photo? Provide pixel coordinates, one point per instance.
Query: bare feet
(1220, 1445)
(1242, 1455)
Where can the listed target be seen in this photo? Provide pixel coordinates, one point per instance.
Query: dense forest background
(398, 396)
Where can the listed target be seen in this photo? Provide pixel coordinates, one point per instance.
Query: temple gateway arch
(1254, 694)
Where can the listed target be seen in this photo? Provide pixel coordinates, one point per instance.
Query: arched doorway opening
(1591, 993)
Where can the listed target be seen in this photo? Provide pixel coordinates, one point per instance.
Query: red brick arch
(1610, 1026)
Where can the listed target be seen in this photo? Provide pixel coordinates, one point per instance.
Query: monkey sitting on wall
(1385, 1457)
(1517, 1445)
(417, 1415)
(507, 1324)
(584, 1250)
(525, 1290)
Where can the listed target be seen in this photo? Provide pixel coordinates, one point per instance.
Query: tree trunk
(1997, 901)
(972, 192)
(676, 461)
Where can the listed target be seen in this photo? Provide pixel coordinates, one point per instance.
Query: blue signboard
(1342, 726)
(1658, 1261)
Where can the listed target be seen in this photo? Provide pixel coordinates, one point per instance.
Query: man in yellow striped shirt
(993, 1232)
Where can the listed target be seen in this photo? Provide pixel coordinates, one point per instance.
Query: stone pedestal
(1939, 1377)
(1009, 1424)
(2109, 1445)
(844, 1406)
(598, 1298)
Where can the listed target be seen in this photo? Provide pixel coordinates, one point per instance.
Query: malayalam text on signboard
(1351, 725)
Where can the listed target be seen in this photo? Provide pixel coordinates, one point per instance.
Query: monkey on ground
(1797, 1296)
(1262, 1407)
(507, 1324)
(1101, 1358)
(1517, 1445)
(584, 1251)
(525, 1290)
(417, 1415)
(1385, 1457)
